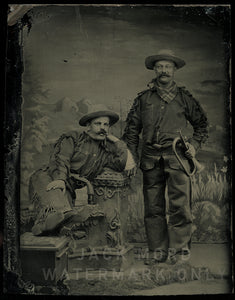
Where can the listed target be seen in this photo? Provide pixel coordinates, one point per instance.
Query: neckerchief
(167, 94)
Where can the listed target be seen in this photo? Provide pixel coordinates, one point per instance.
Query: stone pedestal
(106, 245)
(110, 194)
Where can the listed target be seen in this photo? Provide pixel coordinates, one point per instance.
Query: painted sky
(99, 52)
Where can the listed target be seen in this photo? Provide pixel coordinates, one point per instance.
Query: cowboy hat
(113, 117)
(164, 55)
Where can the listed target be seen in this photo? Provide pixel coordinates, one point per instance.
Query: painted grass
(210, 207)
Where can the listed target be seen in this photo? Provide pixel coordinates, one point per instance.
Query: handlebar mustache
(102, 132)
(164, 75)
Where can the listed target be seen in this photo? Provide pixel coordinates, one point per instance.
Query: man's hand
(191, 152)
(130, 167)
(131, 172)
(112, 138)
(56, 184)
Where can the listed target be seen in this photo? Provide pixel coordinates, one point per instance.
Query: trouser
(55, 201)
(176, 233)
(43, 199)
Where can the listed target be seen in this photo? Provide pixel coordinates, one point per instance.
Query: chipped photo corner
(118, 161)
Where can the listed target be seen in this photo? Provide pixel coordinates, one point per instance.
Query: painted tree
(34, 125)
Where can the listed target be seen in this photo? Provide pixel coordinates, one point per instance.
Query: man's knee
(40, 177)
(37, 190)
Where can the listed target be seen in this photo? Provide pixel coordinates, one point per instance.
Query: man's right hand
(112, 138)
(191, 152)
(56, 184)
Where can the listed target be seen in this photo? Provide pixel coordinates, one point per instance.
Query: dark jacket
(160, 121)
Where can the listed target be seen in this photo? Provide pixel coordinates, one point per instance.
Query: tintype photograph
(118, 150)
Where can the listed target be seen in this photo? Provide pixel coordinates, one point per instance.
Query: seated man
(76, 159)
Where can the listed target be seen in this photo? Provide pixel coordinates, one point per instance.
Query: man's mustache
(102, 132)
(164, 75)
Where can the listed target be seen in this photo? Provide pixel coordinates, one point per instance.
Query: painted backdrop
(83, 58)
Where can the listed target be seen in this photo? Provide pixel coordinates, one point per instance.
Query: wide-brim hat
(163, 55)
(113, 117)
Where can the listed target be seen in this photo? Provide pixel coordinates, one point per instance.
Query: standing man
(160, 112)
(76, 159)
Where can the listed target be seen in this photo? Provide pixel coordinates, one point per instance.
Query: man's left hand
(191, 152)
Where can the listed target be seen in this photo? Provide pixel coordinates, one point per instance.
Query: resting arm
(117, 157)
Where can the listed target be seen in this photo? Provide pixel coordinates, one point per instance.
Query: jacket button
(162, 107)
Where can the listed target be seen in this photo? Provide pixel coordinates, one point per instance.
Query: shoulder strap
(187, 93)
(184, 94)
